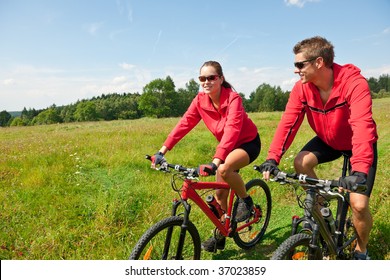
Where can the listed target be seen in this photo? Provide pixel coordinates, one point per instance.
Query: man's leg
(362, 220)
(305, 162)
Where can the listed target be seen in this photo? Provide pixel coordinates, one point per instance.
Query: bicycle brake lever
(163, 167)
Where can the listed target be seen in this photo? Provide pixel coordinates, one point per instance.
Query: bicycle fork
(320, 227)
(183, 230)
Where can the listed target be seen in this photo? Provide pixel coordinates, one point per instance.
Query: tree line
(159, 99)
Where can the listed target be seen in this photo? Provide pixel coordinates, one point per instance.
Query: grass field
(84, 190)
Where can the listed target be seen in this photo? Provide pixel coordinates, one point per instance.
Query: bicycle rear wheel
(161, 241)
(249, 236)
(296, 247)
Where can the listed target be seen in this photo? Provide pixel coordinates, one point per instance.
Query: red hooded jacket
(344, 122)
(230, 125)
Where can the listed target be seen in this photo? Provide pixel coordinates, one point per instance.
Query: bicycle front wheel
(168, 240)
(250, 235)
(296, 247)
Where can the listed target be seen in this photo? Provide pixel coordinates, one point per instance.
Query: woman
(222, 111)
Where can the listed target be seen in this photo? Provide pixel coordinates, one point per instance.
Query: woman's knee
(223, 171)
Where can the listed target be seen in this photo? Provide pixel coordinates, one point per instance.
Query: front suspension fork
(187, 209)
(313, 246)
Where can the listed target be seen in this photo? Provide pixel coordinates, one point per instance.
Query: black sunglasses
(208, 78)
(301, 64)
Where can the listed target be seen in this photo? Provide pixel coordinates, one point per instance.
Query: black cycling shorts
(326, 153)
(252, 148)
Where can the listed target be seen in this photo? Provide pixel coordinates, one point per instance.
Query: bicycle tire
(295, 247)
(151, 244)
(251, 235)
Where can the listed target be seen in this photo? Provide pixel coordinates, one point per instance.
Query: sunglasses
(208, 78)
(301, 64)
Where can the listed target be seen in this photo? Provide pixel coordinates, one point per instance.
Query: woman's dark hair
(218, 68)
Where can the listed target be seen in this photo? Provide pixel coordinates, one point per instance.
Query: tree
(267, 98)
(159, 98)
(5, 118)
(86, 111)
(258, 100)
(186, 96)
(373, 84)
(67, 113)
(49, 116)
(17, 121)
(384, 82)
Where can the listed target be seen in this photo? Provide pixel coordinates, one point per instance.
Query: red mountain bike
(177, 238)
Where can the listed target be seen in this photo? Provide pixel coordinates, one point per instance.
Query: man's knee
(359, 204)
(305, 161)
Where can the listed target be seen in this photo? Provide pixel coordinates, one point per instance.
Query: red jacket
(344, 122)
(230, 125)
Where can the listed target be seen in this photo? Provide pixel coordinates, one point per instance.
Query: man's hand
(268, 167)
(350, 182)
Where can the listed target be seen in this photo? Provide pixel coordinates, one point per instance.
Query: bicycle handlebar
(165, 166)
(284, 177)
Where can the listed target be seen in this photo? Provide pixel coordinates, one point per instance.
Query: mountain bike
(319, 234)
(177, 237)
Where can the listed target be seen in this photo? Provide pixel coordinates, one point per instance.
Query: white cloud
(288, 84)
(298, 3)
(8, 82)
(39, 88)
(376, 72)
(125, 8)
(93, 28)
(119, 80)
(246, 80)
(126, 66)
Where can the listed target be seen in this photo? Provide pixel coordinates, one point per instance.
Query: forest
(159, 99)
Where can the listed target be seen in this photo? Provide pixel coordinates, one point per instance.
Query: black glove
(350, 182)
(158, 158)
(207, 169)
(269, 165)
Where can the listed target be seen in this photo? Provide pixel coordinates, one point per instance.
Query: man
(337, 102)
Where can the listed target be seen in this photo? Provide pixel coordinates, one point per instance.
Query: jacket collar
(205, 100)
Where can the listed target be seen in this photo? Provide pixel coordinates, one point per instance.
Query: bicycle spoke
(167, 241)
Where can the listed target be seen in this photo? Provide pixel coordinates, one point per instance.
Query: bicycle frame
(319, 226)
(189, 191)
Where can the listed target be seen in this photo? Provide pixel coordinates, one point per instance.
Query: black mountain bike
(319, 234)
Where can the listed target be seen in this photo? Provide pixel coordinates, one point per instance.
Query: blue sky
(58, 52)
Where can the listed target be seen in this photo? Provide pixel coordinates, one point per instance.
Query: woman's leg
(227, 171)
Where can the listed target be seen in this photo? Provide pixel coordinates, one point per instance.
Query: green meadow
(84, 191)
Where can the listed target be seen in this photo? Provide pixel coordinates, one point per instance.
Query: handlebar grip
(334, 183)
(274, 172)
(208, 170)
(359, 188)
